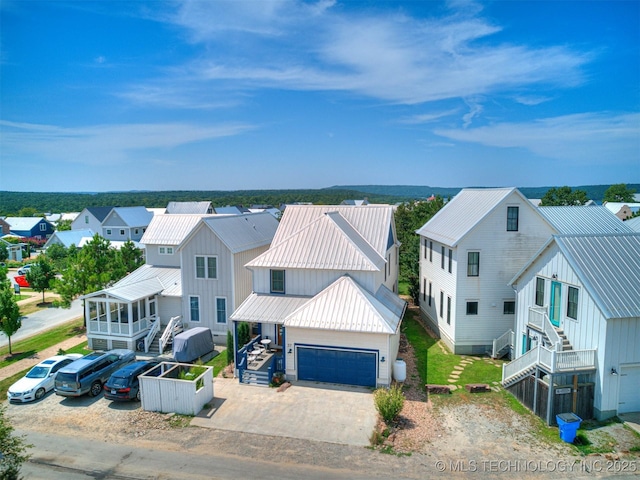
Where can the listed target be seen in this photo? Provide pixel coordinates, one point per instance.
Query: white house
(126, 223)
(200, 208)
(212, 258)
(623, 210)
(324, 297)
(91, 218)
(469, 251)
(143, 309)
(66, 238)
(578, 327)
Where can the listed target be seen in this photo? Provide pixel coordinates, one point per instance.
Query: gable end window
(512, 218)
(473, 264)
(165, 250)
(539, 291)
(43, 227)
(108, 231)
(206, 267)
(277, 281)
(572, 303)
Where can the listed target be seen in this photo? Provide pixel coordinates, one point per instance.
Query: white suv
(24, 269)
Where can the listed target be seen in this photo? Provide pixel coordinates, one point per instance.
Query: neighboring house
(91, 218)
(154, 296)
(213, 257)
(200, 208)
(36, 227)
(578, 327)
(126, 223)
(469, 251)
(231, 210)
(584, 219)
(623, 210)
(324, 297)
(364, 201)
(66, 238)
(14, 250)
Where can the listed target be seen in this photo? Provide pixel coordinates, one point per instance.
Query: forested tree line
(36, 203)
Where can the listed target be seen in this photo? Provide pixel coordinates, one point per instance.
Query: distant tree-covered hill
(594, 192)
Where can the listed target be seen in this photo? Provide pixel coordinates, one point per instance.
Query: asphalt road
(44, 320)
(58, 457)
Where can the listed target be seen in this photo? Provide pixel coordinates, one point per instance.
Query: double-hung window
(512, 218)
(539, 291)
(572, 303)
(441, 303)
(448, 310)
(277, 281)
(473, 264)
(442, 257)
(221, 310)
(206, 267)
(194, 309)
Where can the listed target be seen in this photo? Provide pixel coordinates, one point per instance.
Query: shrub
(389, 402)
(230, 349)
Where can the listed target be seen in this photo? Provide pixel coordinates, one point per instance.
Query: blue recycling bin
(568, 424)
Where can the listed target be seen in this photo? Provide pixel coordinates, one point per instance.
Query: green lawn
(30, 346)
(218, 363)
(435, 362)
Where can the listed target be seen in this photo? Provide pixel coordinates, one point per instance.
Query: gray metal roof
(243, 232)
(169, 229)
(329, 242)
(69, 237)
(100, 213)
(24, 223)
(633, 223)
(267, 308)
(609, 267)
(583, 220)
(144, 282)
(200, 208)
(345, 306)
(133, 216)
(459, 216)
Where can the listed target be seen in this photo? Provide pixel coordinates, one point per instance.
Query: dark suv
(123, 384)
(88, 374)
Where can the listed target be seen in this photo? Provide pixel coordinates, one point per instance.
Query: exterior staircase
(566, 345)
(519, 376)
(154, 348)
(255, 377)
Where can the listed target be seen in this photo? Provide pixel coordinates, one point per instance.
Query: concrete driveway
(306, 410)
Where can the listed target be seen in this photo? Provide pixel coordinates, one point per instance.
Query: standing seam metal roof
(464, 212)
(583, 220)
(169, 229)
(244, 232)
(609, 267)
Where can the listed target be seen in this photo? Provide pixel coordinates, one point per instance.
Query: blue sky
(226, 95)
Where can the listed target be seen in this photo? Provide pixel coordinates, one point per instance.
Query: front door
(554, 306)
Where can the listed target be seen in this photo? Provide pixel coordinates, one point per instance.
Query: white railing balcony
(118, 329)
(552, 361)
(575, 360)
(536, 317)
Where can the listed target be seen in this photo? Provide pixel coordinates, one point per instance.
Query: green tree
(131, 257)
(619, 193)
(4, 252)
(10, 321)
(58, 255)
(563, 196)
(63, 225)
(94, 267)
(27, 212)
(41, 275)
(13, 449)
(410, 217)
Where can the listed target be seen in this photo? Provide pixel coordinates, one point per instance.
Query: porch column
(284, 348)
(235, 343)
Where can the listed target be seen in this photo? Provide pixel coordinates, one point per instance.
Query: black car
(123, 384)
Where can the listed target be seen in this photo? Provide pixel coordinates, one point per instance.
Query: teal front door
(554, 305)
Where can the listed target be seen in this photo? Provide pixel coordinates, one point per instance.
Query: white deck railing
(505, 340)
(169, 332)
(553, 361)
(151, 334)
(539, 318)
(123, 329)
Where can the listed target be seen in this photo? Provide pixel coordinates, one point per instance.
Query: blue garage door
(337, 366)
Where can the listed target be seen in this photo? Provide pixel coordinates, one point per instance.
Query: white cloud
(586, 138)
(387, 56)
(112, 144)
(428, 117)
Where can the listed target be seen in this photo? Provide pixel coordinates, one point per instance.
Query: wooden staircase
(566, 345)
(519, 376)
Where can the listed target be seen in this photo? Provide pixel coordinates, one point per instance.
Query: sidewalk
(25, 363)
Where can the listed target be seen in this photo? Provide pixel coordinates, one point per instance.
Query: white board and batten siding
(242, 278)
(381, 344)
(309, 281)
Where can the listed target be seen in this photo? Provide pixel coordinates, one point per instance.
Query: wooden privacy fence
(562, 398)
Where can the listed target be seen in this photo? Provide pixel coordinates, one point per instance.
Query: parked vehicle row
(75, 375)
